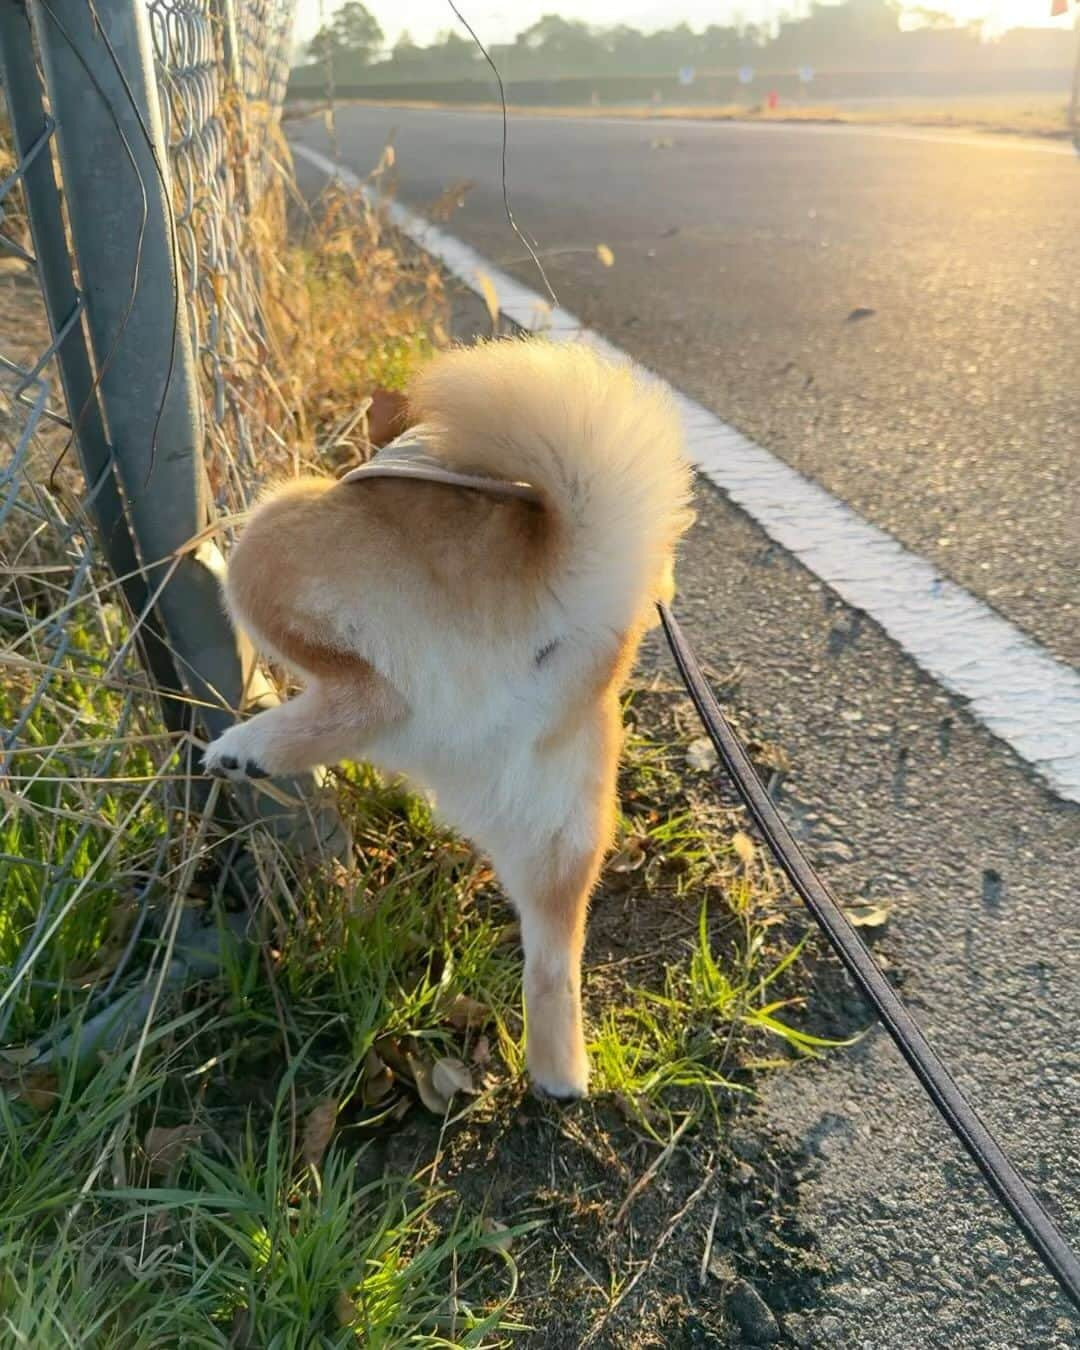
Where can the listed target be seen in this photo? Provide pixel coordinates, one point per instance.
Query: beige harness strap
(406, 457)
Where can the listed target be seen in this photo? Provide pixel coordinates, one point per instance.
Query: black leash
(1003, 1178)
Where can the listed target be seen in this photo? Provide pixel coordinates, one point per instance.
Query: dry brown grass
(348, 309)
(15, 225)
(170, 1192)
(297, 316)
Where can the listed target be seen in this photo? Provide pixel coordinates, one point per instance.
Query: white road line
(1015, 687)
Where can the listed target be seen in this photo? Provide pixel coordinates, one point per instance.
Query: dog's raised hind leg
(326, 723)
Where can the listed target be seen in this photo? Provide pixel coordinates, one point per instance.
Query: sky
(499, 22)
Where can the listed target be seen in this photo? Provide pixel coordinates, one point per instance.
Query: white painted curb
(1017, 689)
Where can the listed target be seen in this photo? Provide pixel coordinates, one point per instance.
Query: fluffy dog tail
(601, 442)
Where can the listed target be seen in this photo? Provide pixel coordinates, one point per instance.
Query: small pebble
(752, 1315)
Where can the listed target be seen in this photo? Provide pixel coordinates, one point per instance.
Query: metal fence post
(31, 132)
(100, 81)
(99, 70)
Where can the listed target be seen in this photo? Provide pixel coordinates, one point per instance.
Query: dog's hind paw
(226, 758)
(564, 1087)
(557, 1062)
(562, 1095)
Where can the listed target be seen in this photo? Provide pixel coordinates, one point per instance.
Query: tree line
(858, 34)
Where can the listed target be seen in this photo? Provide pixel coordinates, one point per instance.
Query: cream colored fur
(477, 645)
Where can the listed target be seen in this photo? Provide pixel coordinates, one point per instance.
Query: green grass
(240, 1239)
(353, 988)
(72, 847)
(268, 1155)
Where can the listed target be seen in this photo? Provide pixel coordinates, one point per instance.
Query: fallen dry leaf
(466, 1014)
(605, 255)
(744, 847)
(39, 1089)
(378, 1079)
(434, 1100)
(502, 1238)
(449, 1076)
(869, 916)
(318, 1129)
(167, 1147)
(390, 1049)
(629, 858)
(701, 755)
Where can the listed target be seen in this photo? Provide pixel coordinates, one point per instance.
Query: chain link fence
(221, 71)
(135, 413)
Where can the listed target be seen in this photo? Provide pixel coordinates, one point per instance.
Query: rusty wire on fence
(95, 791)
(221, 82)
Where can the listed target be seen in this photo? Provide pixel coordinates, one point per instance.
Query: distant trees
(554, 45)
(569, 42)
(353, 30)
(853, 35)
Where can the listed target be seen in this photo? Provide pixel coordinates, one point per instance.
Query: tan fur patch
(416, 611)
(604, 684)
(464, 557)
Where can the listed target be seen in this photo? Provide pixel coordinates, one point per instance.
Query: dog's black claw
(254, 770)
(227, 762)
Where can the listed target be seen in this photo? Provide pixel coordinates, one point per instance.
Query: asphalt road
(948, 416)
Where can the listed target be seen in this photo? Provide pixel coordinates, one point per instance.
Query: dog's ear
(387, 417)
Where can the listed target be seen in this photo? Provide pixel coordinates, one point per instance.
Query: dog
(469, 623)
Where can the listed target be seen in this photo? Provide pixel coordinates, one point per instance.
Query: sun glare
(995, 16)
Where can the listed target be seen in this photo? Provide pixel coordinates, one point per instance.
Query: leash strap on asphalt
(1003, 1178)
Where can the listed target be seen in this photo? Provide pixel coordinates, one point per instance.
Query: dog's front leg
(326, 723)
